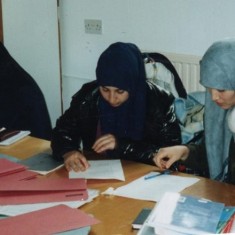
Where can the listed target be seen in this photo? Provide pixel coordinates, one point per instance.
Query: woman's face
(225, 99)
(113, 95)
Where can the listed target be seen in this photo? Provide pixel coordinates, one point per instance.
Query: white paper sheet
(101, 169)
(152, 189)
(46, 172)
(12, 210)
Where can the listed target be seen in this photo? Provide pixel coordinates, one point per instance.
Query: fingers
(160, 159)
(169, 162)
(169, 155)
(75, 161)
(164, 158)
(104, 143)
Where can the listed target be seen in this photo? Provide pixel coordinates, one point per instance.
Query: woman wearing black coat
(120, 114)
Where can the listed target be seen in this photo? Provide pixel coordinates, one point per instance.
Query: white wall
(31, 36)
(177, 26)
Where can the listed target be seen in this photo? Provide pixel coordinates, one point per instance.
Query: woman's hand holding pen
(74, 160)
(105, 142)
(165, 157)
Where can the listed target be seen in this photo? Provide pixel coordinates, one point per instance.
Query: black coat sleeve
(66, 136)
(197, 159)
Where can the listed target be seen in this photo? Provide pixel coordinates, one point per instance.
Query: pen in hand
(165, 172)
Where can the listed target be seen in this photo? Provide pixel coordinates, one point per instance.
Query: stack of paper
(178, 214)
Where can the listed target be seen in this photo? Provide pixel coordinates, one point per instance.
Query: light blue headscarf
(218, 71)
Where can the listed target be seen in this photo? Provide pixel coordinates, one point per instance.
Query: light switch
(93, 26)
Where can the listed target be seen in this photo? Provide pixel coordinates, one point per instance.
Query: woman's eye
(104, 89)
(120, 91)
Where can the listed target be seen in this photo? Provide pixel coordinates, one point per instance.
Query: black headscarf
(121, 66)
(22, 102)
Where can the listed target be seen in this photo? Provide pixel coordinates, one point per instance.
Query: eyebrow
(117, 89)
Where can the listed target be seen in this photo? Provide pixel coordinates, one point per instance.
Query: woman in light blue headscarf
(218, 77)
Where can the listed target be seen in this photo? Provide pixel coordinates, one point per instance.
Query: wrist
(185, 153)
(68, 154)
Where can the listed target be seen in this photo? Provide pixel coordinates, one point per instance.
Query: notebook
(12, 139)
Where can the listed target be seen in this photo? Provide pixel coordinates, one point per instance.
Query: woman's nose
(112, 98)
(214, 95)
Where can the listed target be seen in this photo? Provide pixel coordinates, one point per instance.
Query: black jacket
(197, 160)
(79, 123)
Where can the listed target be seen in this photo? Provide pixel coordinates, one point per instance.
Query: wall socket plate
(93, 26)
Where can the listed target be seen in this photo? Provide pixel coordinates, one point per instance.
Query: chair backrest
(164, 72)
(22, 103)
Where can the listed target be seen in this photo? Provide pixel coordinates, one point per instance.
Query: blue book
(226, 215)
(185, 214)
(41, 162)
(10, 158)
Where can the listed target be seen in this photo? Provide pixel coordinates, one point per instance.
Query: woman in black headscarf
(120, 114)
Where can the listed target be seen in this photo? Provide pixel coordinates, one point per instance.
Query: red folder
(21, 175)
(44, 184)
(9, 167)
(42, 190)
(47, 221)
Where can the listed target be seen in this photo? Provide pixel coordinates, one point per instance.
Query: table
(117, 213)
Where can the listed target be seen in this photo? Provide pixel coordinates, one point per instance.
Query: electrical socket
(93, 26)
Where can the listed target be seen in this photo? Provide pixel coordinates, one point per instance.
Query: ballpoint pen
(165, 172)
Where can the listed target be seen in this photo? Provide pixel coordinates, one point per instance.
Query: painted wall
(177, 26)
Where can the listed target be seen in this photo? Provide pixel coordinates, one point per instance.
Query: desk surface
(117, 213)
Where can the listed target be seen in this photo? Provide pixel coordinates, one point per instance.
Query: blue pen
(165, 172)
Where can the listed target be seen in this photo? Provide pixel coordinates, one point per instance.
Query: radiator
(188, 69)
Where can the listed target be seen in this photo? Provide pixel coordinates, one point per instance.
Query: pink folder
(21, 175)
(9, 167)
(44, 184)
(42, 190)
(46, 221)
